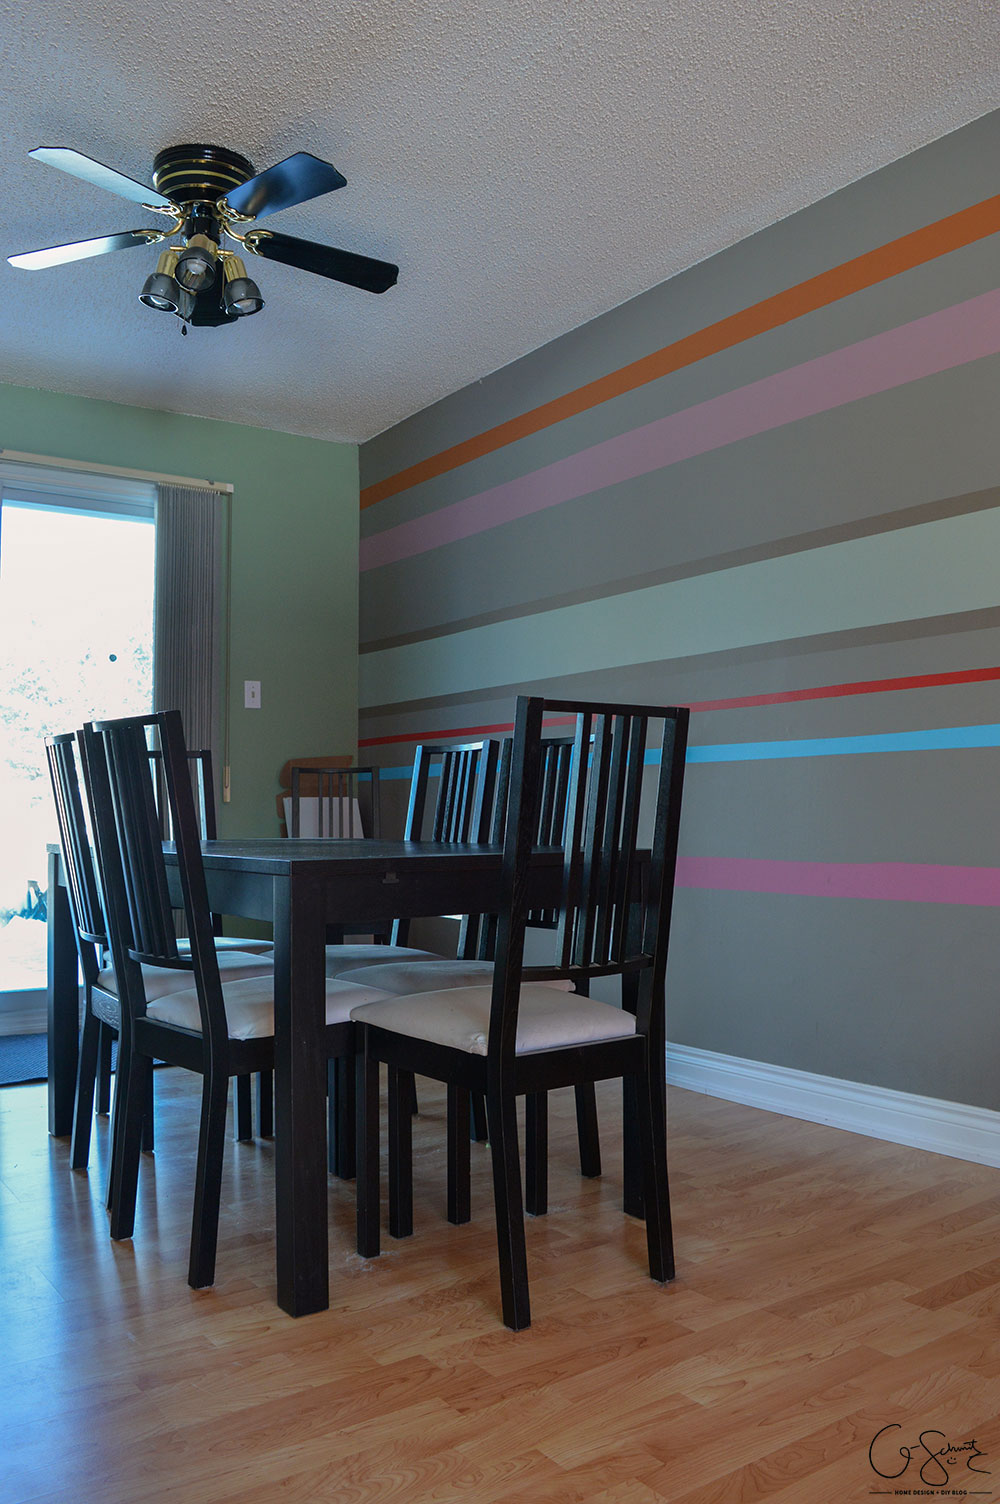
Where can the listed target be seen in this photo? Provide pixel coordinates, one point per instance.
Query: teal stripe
(943, 738)
(930, 569)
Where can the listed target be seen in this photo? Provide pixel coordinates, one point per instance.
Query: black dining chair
(101, 1005)
(214, 1027)
(473, 966)
(516, 1038)
(460, 811)
(462, 777)
(203, 787)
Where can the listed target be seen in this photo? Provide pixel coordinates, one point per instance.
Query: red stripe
(862, 687)
(739, 702)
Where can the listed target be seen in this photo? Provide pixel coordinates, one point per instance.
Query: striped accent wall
(770, 489)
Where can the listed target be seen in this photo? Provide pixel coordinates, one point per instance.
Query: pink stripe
(937, 342)
(898, 882)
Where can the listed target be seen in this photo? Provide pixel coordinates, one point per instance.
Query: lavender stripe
(938, 342)
(897, 882)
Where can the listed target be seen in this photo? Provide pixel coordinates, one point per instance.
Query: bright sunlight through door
(76, 641)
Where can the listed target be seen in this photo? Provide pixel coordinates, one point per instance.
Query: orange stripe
(920, 246)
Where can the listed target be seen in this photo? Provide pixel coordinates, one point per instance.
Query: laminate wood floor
(829, 1286)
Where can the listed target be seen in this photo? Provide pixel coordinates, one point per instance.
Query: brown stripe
(911, 250)
(614, 683)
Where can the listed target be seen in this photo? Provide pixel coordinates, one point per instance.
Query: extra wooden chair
(516, 1038)
(347, 803)
(214, 1027)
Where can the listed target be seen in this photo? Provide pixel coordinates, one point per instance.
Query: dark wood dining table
(300, 886)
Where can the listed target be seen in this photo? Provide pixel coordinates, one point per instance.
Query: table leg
(63, 1001)
(300, 1099)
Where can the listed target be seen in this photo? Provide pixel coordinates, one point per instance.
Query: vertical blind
(189, 610)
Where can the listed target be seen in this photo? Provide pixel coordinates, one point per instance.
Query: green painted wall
(294, 568)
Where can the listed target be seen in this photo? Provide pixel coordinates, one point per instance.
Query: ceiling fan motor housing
(199, 174)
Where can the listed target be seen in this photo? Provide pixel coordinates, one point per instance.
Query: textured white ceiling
(528, 163)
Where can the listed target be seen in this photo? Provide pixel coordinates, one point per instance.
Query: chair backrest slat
(621, 877)
(608, 925)
(203, 791)
(203, 786)
(140, 836)
(86, 903)
(462, 810)
(611, 853)
(576, 808)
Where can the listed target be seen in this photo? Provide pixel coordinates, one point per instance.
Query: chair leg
(83, 1105)
(117, 1109)
(400, 1152)
(479, 1126)
(341, 1113)
(632, 1202)
(208, 1180)
(459, 1158)
(265, 1104)
(148, 1140)
(587, 1131)
(104, 1070)
(367, 1188)
(536, 1153)
(130, 1105)
(513, 1255)
(244, 1108)
(652, 1132)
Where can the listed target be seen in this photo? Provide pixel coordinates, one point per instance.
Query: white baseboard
(921, 1122)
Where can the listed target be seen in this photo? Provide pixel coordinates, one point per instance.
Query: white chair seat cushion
(243, 943)
(250, 1006)
(158, 981)
(341, 958)
(401, 977)
(460, 1018)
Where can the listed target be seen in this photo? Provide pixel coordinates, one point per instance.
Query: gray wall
(796, 509)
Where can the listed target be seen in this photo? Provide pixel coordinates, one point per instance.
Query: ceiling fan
(211, 195)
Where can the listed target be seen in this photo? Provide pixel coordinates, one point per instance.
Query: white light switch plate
(251, 694)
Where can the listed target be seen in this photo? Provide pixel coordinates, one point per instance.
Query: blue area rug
(22, 1058)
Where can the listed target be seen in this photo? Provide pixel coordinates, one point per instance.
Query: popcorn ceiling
(528, 163)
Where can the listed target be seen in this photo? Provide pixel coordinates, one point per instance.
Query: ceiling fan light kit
(212, 195)
(160, 288)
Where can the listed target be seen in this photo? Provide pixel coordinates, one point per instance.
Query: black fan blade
(58, 255)
(292, 181)
(324, 260)
(80, 166)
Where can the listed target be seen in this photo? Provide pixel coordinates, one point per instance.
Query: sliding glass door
(76, 640)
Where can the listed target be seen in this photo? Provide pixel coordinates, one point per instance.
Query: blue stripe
(943, 738)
